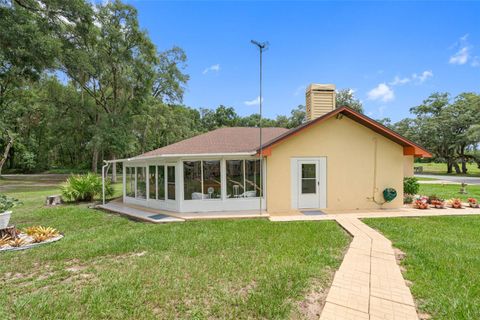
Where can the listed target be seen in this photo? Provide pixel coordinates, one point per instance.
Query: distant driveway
(457, 179)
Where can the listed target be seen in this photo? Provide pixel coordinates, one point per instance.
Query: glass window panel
(192, 180)
(130, 182)
(171, 182)
(152, 191)
(309, 186)
(141, 182)
(161, 182)
(309, 170)
(212, 182)
(235, 183)
(252, 179)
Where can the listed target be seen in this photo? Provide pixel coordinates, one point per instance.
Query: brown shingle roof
(224, 140)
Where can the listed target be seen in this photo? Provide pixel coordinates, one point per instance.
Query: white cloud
(476, 62)
(461, 57)
(212, 68)
(418, 78)
(422, 77)
(463, 53)
(381, 92)
(399, 81)
(254, 102)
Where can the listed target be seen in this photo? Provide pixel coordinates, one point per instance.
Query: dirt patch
(399, 257)
(399, 254)
(75, 268)
(312, 305)
(244, 291)
(424, 316)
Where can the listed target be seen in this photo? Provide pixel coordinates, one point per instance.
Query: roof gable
(409, 147)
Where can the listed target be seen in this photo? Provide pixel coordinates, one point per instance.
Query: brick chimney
(320, 99)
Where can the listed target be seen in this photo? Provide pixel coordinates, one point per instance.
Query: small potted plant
(6, 204)
(421, 202)
(456, 203)
(438, 203)
(473, 202)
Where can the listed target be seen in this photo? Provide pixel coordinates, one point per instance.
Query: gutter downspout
(375, 141)
(104, 168)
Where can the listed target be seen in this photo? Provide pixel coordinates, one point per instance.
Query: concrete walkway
(452, 178)
(394, 213)
(369, 284)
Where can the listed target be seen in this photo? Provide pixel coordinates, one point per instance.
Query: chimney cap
(321, 87)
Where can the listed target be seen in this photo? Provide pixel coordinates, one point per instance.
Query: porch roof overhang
(409, 147)
(191, 155)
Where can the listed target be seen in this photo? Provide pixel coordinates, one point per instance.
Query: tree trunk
(449, 166)
(95, 159)
(457, 168)
(5, 153)
(464, 166)
(463, 159)
(114, 170)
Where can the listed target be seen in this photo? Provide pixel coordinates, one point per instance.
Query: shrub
(7, 203)
(407, 199)
(85, 187)
(433, 197)
(410, 185)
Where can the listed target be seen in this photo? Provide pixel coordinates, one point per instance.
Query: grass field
(420, 178)
(449, 191)
(108, 267)
(442, 260)
(441, 168)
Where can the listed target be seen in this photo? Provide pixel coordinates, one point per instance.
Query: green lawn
(441, 168)
(108, 267)
(449, 191)
(442, 260)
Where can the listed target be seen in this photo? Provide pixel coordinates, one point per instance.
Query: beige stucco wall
(408, 166)
(349, 148)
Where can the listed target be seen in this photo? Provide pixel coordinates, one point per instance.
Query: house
(339, 159)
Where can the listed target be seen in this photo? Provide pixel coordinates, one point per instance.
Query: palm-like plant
(84, 187)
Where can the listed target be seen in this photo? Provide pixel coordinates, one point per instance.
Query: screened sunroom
(217, 171)
(195, 184)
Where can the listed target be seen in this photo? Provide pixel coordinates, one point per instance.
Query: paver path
(369, 284)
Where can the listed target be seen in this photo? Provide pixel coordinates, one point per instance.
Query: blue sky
(393, 54)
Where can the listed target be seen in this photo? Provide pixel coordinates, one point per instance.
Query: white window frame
(222, 174)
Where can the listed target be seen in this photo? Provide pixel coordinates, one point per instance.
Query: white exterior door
(308, 196)
(309, 183)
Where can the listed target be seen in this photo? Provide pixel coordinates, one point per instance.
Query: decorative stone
(53, 200)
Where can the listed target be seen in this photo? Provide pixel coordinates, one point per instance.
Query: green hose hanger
(389, 194)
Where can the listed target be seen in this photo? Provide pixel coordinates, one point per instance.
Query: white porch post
(104, 172)
(124, 180)
(223, 178)
(147, 182)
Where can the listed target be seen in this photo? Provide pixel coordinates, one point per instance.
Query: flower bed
(14, 239)
(426, 202)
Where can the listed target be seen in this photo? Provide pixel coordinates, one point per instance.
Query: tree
(346, 98)
(387, 122)
(445, 127)
(9, 144)
(22, 60)
(218, 118)
(115, 63)
(297, 116)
